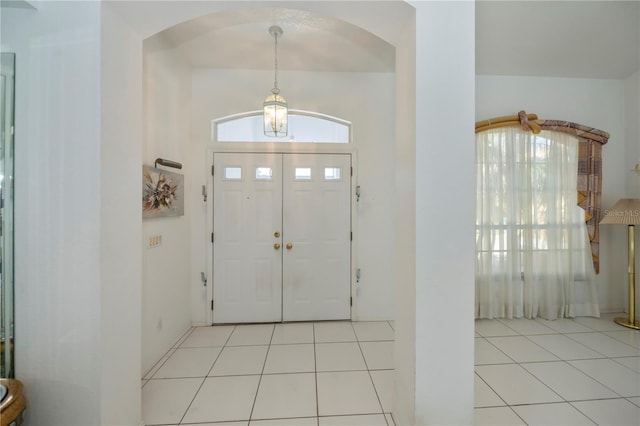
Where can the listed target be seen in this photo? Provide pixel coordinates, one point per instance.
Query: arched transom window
(304, 127)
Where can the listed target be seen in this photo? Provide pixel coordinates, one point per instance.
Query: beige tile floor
(583, 371)
(322, 373)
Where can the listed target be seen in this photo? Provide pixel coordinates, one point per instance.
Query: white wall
(597, 103)
(632, 112)
(405, 227)
(445, 194)
(343, 95)
(57, 210)
(120, 229)
(166, 279)
(77, 271)
(632, 129)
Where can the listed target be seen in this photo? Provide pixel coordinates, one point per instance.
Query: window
(233, 173)
(332, 173)
(304, 127)
(303, 173)
(264, 173)
(532, 250)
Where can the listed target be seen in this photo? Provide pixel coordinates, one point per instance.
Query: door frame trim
(279, 148)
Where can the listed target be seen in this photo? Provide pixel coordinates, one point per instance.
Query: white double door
(282, 246)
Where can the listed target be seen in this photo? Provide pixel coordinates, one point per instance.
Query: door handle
(289, 246)
(276, 246)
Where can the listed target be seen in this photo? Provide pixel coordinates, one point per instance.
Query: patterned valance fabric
(589, 165)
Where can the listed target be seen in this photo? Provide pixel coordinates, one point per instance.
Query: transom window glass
(304, 127)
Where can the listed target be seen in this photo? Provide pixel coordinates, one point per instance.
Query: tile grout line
(497, 348)
(166, 355)
(184, 337)
(204, 379)
(540, 381)
(619, 363)
(573, 340)
(512, 407)
(607, 357)
(517, 415)
(526, 337)
(214, 362)
(264, 364)
(162, 361)
(595, 379)
(619, 340)
(566, 362)
(315, 373)
(192, 399)
(582, 412)
(568, 336)
(492, 390)
(602, 333)
(369, 373)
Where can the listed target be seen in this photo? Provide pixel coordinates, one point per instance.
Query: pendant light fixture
(275, 106)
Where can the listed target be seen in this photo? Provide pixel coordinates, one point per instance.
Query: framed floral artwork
(162, 193)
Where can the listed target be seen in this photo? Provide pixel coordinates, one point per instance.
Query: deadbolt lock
(276, 234)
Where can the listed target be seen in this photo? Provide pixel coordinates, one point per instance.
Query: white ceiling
(240, 39)
(584, 39)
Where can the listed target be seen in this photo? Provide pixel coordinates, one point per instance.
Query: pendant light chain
(275, 106)
(275, 83)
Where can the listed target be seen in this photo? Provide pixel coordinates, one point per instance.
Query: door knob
(276, 246)
(289, 246)
(276, 234)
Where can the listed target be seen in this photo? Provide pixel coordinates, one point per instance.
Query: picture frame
(162, 193)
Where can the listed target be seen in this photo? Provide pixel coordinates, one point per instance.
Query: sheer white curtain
(532, 251)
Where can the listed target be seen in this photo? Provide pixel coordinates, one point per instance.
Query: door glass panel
(303, 173)
(233, 173)
(332, 173)
(264, 173)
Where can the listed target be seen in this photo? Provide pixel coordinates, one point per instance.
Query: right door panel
(316, 237)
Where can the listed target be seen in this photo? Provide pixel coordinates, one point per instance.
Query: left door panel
(247, 226)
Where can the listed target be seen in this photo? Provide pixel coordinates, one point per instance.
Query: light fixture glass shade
(275, 115)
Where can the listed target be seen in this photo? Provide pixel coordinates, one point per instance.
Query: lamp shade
(625, 212)
(275, 115)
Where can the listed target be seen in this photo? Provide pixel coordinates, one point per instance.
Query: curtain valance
(589, 186)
